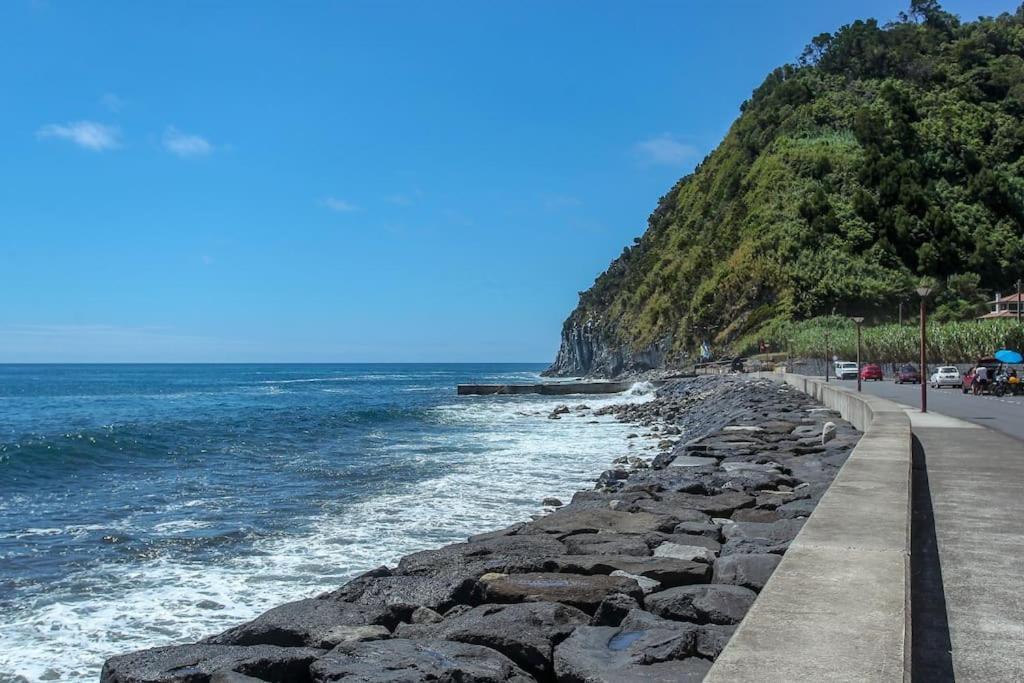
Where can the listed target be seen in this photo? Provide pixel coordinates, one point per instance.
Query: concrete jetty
(546, 388)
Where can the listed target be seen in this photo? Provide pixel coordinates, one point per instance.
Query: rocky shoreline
(642, 578)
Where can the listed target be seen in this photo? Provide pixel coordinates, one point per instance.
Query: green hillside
(888, 153)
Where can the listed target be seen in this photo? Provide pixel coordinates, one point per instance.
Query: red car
(908, 374)
(871, 371)
(993, 369)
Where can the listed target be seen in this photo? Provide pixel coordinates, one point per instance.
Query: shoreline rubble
(643, 578)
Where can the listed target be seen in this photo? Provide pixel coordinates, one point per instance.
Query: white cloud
(664, 149)
(87, 134)
(185, 145)
(405, 198)
(339, 205)
(112, 102)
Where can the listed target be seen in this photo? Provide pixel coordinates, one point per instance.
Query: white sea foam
(503, 460)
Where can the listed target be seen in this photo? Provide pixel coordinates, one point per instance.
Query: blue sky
(351, 181)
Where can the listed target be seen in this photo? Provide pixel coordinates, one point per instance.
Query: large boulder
(714, 603)
(750, 570)
(675, 504)
(572, 520)
(580, 591)
(668, 571)
(760, 537)
(526, 632)
(403, 594)
(302, 623)
(407, 661)
(643, 648)
(606, 544)
(200, 663)
(502, 554)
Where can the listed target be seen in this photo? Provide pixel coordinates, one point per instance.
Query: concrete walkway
(968, 559)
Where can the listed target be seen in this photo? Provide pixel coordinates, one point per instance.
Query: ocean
(146, 505)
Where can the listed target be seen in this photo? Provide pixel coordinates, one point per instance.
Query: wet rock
(613, 609)
(713, 603)
(610, 478)
(407, 661)
(750, 571)
(497, 533)
(526, 632)
(551, 502)
(601, 653)
(198, 663)
(585, 592)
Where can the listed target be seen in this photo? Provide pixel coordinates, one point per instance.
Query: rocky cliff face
(588, 350)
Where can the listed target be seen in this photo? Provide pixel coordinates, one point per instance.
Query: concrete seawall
(838, 606)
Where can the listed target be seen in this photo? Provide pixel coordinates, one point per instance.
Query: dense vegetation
(887, 154)
(949, 342)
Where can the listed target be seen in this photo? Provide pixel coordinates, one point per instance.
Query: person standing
(980, 379)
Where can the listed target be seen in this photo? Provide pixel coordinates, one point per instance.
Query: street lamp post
(1018, 301)
(826, 356)
(923, 292)
(857, 321)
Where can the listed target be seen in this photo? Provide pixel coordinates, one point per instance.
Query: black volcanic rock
(300, 623)
(526, 633)
(407, 661)
(715, 604)
(199, 663)
(580, 591)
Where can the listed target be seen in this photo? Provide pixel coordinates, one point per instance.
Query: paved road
(1004, 414)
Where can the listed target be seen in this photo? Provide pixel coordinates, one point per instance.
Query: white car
(845, 370)
(945, 376)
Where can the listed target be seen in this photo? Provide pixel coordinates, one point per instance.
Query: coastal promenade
(964, 596)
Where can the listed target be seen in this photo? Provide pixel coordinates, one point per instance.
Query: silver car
(945, 376)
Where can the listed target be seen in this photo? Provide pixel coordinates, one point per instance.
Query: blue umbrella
(1008, 356)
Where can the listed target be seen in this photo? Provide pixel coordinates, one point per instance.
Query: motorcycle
(1007, 384)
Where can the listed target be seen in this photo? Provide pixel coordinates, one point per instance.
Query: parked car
(845, 370)
(908, 374)
(872, 371)
(945, 376)
(993, 366)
